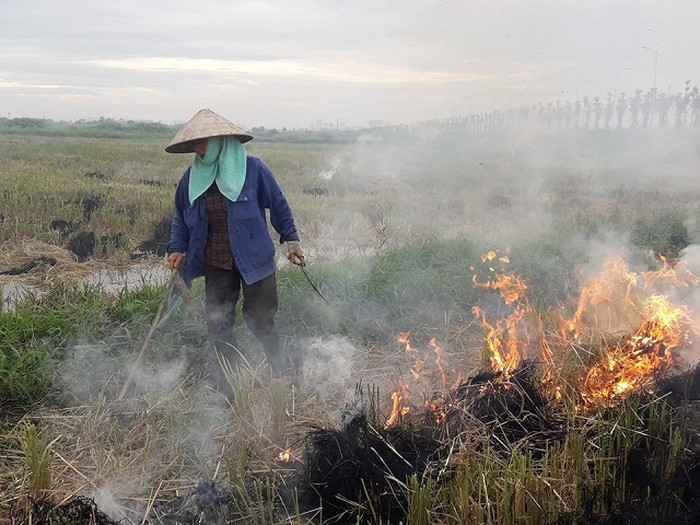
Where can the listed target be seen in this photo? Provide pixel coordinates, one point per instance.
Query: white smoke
(94, 369)
(111, 495)
(329, 366)
(173, 417)
(690, 256)
(598, 250)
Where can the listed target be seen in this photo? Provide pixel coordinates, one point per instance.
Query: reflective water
(109, 280)
(113, 281)
(13, 292)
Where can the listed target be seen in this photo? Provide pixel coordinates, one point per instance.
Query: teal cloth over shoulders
(224, 163)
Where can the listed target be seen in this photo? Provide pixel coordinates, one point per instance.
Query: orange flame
(511, 287)
(505, 339)
(437, 407)
(614, 301)
(284, 456)
(633, 365)
(400, 406)
(404, 338)
(606, 303)
(438, 361)
(488, 256)
(617, 301)
(417, 369)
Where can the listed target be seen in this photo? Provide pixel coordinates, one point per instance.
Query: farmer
(220, 231)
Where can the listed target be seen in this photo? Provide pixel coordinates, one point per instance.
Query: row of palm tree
(642, 109)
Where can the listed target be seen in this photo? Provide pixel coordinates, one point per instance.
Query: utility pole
(615, 84)
(656, 61)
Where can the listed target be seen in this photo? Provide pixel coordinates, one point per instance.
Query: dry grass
(157, 444)
(65, 267)
(161, 442)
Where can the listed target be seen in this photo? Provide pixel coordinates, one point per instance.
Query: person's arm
(281, 217)
(271, 197)
(179, 233)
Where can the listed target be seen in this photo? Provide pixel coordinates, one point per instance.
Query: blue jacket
(252, 247)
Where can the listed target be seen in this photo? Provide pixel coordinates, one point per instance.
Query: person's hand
(175, 260)
(295, 254)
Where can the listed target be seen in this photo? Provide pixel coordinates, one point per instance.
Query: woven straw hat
(203, 125)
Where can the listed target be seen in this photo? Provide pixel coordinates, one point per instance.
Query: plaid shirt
(218, 247)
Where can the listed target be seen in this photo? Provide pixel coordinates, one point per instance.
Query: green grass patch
(36, 336)
(370, 298)
(664, 232)
(374, 297)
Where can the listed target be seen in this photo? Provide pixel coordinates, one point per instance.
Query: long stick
(161, 307)
(195, 305)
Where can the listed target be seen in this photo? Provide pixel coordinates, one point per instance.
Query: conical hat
(203, 125)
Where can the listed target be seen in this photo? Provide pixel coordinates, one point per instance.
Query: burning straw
(575, 420)
(569, 398)
(361, 469)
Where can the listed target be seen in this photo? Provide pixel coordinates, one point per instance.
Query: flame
(399, 407)
(437, 407)
(606, 302)
(615, 301)
(488, 256)
(631, 308)
(438, 361)
(404, 338)
(284, 455)
(669, 273)
(508, 337)
(511, 287)
(633, 364)
(417, 369)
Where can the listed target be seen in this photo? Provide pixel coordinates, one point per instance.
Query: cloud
(397, 61)
(339, 71)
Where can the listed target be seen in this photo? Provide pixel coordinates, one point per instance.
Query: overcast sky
(288, 63)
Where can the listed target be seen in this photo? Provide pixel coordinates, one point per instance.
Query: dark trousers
(222, 288)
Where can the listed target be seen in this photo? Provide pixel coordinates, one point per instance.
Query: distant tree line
(643, 109)
(112, 128)
(103, 127)
(640, 110)
(22, 123)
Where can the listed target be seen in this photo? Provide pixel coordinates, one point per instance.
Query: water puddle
(14, 292)
(109, 280)
(133, 278)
